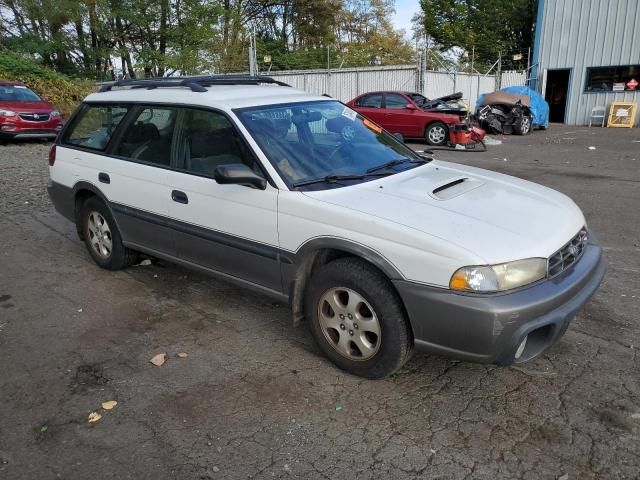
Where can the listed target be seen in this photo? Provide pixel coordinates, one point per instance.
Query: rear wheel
(102, 237)
(436, 134)
(357, 319)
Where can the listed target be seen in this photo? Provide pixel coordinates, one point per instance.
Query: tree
(489, 27)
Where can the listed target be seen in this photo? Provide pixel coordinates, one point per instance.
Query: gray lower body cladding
(479, 328)
(489, 328)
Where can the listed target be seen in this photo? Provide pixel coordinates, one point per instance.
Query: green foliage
(109, 39)
(489, 27)
(63, 92)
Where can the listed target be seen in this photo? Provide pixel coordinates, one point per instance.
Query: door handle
(180, 197)
(104, 178)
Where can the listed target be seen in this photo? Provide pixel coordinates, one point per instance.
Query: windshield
(315, 140)
(17, 93)
(419, 99)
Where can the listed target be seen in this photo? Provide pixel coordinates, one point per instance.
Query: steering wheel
(337, 149)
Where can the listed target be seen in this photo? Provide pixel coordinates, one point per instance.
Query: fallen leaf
(44, 428)
(94, 417)
(183, 354)
(109, 405)
(159, 359)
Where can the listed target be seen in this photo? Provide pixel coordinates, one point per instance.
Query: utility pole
(328, 70)
(253, 70)
(499, 72)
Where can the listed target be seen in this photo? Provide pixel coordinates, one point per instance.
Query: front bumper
(489, 328)
(16, 128)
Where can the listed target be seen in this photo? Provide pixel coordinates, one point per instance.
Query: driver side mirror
(411, 106)
(239, 174)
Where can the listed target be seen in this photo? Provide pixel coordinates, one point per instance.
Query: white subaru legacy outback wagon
(379, 248)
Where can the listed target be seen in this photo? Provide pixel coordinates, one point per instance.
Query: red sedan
(23, 114)
(398, 112)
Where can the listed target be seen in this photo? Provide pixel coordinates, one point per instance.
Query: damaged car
(512, 110)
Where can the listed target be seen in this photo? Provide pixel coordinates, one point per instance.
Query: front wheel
(523, 126)
(357, 319)
(437, 134)
(102, 237)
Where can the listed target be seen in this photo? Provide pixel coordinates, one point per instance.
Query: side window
(395, 101)
(94, 126)
(370, 101)
(207, 140)
(148, 137)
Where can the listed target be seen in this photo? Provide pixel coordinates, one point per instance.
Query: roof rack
(196, 84)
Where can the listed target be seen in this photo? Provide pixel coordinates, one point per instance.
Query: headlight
(496, 278)
(55, 113)
(7, 113)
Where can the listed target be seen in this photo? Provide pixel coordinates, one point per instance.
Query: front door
(398, 118)
(231, 229)
(556, 93)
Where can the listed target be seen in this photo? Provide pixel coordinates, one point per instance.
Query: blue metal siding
(579, 34)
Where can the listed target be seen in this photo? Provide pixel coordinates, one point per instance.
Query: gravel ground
(255, 399)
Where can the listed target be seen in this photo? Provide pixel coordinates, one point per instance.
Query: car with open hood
(414, 116)
(381, 250)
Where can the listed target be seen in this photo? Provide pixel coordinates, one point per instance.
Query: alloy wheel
(437, 134)
(349, 323)
(99, 233)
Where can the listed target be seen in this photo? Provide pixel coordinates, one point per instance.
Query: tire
(102, 237)
(366, 332)
(523, 127)
(436, 134)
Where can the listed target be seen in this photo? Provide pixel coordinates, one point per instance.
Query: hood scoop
(454, 187)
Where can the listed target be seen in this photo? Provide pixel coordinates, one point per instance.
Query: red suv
(23, 114)
(398, 112)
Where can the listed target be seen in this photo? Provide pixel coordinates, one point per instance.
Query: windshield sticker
(372, 126)
(350, 114)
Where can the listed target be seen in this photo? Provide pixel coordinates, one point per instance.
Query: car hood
(27, 107)
(495, 217)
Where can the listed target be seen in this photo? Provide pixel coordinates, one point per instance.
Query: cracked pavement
(255, 399)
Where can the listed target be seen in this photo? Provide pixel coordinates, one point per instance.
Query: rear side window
(94, 126)
(370, 101)
(148, 137)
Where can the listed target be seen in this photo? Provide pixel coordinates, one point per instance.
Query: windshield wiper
(393, 163)
(335, 178)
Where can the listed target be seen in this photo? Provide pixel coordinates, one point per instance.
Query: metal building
(586, 53)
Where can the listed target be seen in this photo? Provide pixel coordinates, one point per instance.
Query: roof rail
(196, 84)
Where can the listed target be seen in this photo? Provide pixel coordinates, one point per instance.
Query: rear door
(370, 105)
(120, 150)
(231, 229)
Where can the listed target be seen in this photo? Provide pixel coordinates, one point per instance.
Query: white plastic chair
(598, 113)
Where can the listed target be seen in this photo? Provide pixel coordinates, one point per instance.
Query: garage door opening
(556, 93)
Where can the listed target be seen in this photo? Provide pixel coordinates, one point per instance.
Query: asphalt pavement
(254, 398)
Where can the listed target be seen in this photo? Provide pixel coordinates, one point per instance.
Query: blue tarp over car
(539, 106)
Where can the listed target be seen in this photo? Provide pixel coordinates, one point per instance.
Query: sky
(405, 9)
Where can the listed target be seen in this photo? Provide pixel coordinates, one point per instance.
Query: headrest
(142, 132)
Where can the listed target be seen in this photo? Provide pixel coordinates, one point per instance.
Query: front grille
(568, 254)
(35, 117)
